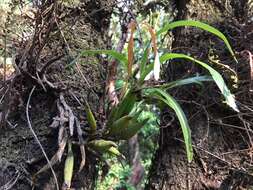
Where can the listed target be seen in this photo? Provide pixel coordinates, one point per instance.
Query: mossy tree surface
(57, 33)
(67, 28)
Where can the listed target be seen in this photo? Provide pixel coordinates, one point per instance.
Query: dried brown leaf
(153, 37)
(132, 27)
(57, 156)
(71, 116)
(81, 141)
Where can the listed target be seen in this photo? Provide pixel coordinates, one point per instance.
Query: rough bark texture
(218, 161)
(135, 161)
(80, 26)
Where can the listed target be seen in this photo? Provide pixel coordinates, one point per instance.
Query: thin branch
(112, 67)
(11, 183)
(36, 138)
(3, 119)
(50, 62)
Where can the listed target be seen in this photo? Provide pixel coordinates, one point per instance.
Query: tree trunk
(59, 32)
(221, 149)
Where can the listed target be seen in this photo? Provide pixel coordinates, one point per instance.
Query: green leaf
(105, 146)
(230, 100)
(90, 118)
(126, 104)
(132, 129)
(101, 145)
(69, 166)
(119, 84)
(181, 82)
(115, 152)
(172, 103)
(116, 55)
(144, 60)
(119, 125)
(200, 25)
(112, 116)
(146, 71)
(137, 109)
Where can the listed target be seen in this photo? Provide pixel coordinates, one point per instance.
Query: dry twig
(36, 138)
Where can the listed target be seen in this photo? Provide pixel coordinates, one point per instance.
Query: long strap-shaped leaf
(230, 100)
(116, 55)
(190, 80)
(171, 102)
(90, 118)
(144, 60)
(200, 25)
(146, 71)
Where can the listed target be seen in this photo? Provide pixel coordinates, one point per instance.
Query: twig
(3, 119)
(248, 129)
(219, 121)
(11, 183)
(112, 67)
(50, 62)
(36, 138)
(48, 82)
(214, 155)
(5, 52)
(78, 101)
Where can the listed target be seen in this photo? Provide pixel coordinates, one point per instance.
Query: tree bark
(211, 168)
(43, 61)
